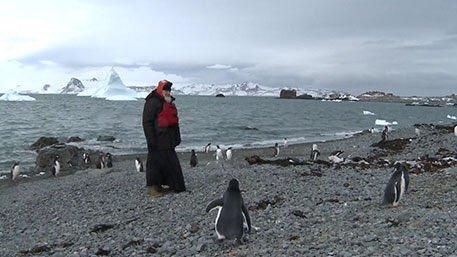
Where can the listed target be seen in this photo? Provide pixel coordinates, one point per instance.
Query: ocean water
(232, 121)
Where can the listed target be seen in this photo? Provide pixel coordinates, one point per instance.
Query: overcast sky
(405, 47)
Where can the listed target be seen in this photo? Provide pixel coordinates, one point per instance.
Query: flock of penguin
(103, 161)
(233, 219)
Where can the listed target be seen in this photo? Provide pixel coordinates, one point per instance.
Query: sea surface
(240, 122)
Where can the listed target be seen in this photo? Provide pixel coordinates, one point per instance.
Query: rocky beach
(298, 207)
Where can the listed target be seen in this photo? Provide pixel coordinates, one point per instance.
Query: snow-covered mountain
(73, 87)
(241, 89)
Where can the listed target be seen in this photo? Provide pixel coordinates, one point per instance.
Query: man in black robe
(161, 128)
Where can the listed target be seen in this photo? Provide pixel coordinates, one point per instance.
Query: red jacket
(168, 117)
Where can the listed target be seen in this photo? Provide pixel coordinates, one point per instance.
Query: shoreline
(298, 150)
(300, 210)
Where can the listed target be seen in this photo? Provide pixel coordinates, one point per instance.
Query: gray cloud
(401, 46)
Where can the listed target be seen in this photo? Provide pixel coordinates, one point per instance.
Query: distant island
(374, 96)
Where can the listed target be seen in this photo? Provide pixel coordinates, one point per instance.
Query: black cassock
(162, 167)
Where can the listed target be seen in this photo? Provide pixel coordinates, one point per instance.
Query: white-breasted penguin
(208, 148)
(276, 150)
(193, 159)
(397, 185)
(139, 165)
(455, 131)
(55, 168)
(335, 157)
(285, 142)
(86, 158)
(314, 152)
(109, 160)
(15, 170)
(219, 155)
(101, 162)
(417, 131)
(232, 214)
(228, 154)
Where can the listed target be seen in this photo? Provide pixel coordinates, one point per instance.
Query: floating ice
(368, 113)
(385, 123)
(115, 90)
(451, 117)
(15, 96)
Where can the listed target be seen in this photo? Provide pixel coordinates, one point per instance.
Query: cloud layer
(407, 47)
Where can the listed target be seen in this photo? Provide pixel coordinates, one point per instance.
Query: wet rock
(43, 142)
(70, 156)
(106, 138)
(74, 139)
(255, 159)
(263, 204)
(102, 228)
(220, 95)
(103, 251)
(133, 242)
(395, 145)
(37, 249)
(299, 213)
(151, 249)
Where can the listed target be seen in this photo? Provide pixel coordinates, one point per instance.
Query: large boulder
(43, 142)
(74, 139)
(106, 138)
(288, 94)
(70, 156)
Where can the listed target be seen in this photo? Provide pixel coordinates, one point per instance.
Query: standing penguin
(101, 162)
(232, 213)
(86, 158)
(15, 170)
(55, 167)
(276, 150)
(285, 142)
(384, 134)
(228, 153)
(455, 131)
(139, 165)
(397, 185)
(219, 155)
(109, 160)
(193, 159)
(417, 132)
(314, 153)
(208, 148)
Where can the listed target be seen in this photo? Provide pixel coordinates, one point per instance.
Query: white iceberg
(385, 123)
(451, 117)
(115, 90)
(15, 96)
(368, 113)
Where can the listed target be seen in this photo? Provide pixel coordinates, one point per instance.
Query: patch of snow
(385, 123)
(15, 96)
(368, 113)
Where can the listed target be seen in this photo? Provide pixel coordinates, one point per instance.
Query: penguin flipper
(406, 181)
(246, 216)
(389, 193)
(214, 204)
